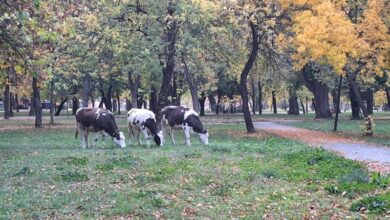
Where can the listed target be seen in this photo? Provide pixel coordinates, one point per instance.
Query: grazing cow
(145, 121)
(100, 121)
(177, 117)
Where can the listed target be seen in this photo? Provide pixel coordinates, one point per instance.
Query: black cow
(177, 117)
(97, 120)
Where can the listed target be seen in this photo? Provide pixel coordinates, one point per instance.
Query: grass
(351, 128)
(46, 174)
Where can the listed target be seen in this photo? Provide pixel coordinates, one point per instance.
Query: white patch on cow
(78, 110)
(190, 112)
(204, 138)
(161, 136)
(121, 142)
(97, 113)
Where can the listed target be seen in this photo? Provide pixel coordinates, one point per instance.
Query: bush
(375, 204)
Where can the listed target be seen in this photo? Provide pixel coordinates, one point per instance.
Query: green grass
(351, 128)
(46, 174)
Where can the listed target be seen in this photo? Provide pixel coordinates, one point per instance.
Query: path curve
(375, 156)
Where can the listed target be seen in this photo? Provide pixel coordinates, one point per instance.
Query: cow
(100, 121)
(145, 121)
(177, 117)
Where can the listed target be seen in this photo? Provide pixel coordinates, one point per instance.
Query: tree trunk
(260, 101)
(37, 103)
(92, 100)
(61, 106)
(133, 86)
(218, 109)
(351, 77)
(12, 104)
(274, 102)
(354, 106)
(106, 98)
(32, 107)
(307, 105)
(337, 109)
(335, 99)
(253, 97)
(75, 105)
(370, 101)
(213, 102)
(388, 97)
(302, 106)
(128, 105)
(244, 75)
(319, 90)
(17, 102)
(119, 102)
(293, 108)
(202, 100)
(153, 102)
(86, 89)
(193, 86)
(114, 105)
(51, 101)
(169, 40)
(7, 101)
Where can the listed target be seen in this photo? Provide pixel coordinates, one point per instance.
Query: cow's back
(86, 116)
(174, 116)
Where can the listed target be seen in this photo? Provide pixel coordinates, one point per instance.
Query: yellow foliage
(380, 97)
(91, 22)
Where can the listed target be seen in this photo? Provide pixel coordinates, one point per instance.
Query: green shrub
(375, 204)
(73, 176)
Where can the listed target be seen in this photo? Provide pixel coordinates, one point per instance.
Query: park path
(376, 157)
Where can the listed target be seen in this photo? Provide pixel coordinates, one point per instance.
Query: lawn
(45, 173)
(351, 128)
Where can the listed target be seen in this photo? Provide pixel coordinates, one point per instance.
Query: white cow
(145, 121)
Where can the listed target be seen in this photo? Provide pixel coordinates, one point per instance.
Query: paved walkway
(375, 156)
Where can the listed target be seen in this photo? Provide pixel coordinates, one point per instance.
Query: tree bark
(370, 101)
(253, 97)
(218, 109)
(244, 75)
(260, 98)
(51, 101)
(319, 90)
(337, 109)
(92, 100)
(169, 39)
(16, 102)
(192, 85)
(354, 106)
(293, 108)
(32, 107)
(37, 103)
(213, 102)
(12, 104)
(153, 102)
(61, 106)
(302, 106)
(86, 89)
(388, 97)
(7, 101)
(202, 100)
(351, 77)
(119, 102)
(274, 102)
(133, 86)
(75, 105)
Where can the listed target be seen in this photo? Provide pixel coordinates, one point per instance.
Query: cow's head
(204, 137)
(120, 140)
(158, 138)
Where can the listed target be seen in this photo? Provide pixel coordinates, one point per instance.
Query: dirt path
(376, 157)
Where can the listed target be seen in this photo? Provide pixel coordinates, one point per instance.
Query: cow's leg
(187, 136)
(171, 130)
(83, 139)
(139, 137)
(147, 137)
(86, 133)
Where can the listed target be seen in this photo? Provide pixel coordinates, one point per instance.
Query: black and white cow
(177, 117)
(145, 121)
(97, 120)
